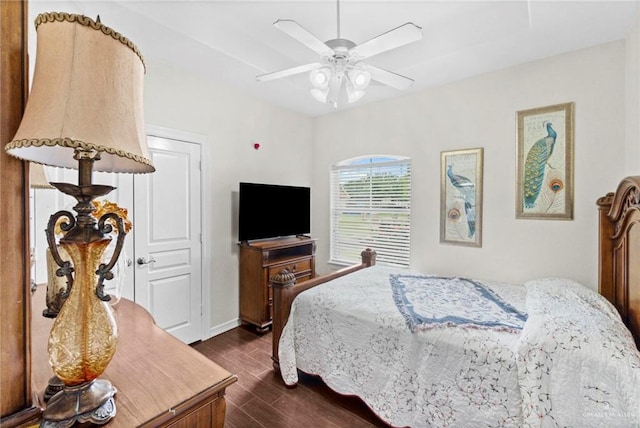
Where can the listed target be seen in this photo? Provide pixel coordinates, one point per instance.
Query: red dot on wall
(256, 146)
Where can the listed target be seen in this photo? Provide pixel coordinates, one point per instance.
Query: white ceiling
(234, 41)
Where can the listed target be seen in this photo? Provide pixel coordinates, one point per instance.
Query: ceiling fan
(341, 61)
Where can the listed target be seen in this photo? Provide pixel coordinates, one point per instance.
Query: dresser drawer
(300, 268)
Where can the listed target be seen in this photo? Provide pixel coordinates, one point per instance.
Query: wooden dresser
(259, 260)
(161, 382)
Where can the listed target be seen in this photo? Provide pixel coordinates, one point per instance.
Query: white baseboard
(221, 328)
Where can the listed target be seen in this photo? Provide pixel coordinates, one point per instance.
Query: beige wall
(232, 122)
(481, 112)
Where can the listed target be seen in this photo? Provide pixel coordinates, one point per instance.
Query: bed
(549, 352)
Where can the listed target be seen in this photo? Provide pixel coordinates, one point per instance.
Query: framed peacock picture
(545, 163)
(461, 197)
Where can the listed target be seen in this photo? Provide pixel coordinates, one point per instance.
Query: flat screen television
(271, 211)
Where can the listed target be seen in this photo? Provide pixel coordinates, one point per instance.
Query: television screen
(271, 211)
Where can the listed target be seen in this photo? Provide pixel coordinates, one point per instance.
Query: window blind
(371, 208)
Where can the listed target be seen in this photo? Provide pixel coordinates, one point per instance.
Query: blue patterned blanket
(431, 301)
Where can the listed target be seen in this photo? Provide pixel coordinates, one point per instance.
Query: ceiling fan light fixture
(320, 94)
(353, 93)
(320, 77)
(359, 78)
(340, 61)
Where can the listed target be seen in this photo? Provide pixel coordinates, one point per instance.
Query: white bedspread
(577, 362)
(466, 374)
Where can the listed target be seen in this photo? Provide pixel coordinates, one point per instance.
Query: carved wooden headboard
(619, 258)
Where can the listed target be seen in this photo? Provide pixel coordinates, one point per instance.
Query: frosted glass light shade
(87, 94)
(353, 94)
(320, 94)
(320, 77)
(359, 78)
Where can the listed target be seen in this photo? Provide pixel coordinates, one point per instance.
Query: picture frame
(461, 173)
(545, 138)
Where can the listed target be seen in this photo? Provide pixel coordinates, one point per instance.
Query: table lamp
(84, 111)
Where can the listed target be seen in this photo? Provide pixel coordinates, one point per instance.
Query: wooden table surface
(157, 376)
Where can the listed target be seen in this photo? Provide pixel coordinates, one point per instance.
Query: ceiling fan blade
(389, 78)
(296, 31)
(400, 36)
(288, 72)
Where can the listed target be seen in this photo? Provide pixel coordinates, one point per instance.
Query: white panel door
(168, 274)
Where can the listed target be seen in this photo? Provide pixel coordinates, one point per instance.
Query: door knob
(143, 261)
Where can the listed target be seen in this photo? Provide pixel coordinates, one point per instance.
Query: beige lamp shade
(87, 95)
(38, 178)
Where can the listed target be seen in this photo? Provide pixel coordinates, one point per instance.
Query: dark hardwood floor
(260, 397)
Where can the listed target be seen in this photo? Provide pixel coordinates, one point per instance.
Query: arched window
(371, 207)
